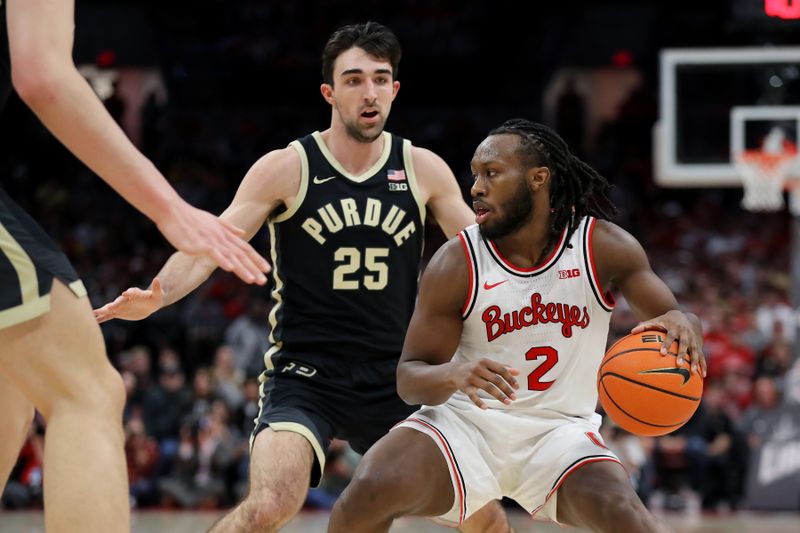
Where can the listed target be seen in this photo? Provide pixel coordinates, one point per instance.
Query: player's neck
(529, 244)
(356, 157)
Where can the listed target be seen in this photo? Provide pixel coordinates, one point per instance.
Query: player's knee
(100, 396)
(612, 505)
(108, 392)
(619, 504)
(268, 511)
(379, 492)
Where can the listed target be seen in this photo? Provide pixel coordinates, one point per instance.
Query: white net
(763, 177)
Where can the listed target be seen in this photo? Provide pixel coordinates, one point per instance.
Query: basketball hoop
(763, 177)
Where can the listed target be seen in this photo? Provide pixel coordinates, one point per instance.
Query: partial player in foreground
(503, 351)
(52, 355)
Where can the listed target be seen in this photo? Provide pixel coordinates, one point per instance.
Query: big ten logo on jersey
(300, 369)
(571, 273)
(397, 180)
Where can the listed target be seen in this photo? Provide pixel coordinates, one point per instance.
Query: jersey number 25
(345, 277)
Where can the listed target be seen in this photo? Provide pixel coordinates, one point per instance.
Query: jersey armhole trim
(472, 295)
(408, 162)
(605, 299)
(302, 190)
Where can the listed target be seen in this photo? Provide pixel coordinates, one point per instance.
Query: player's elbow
(33, 85)
(38, 80)
(406, 388)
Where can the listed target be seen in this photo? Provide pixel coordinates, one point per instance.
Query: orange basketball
(642, 390)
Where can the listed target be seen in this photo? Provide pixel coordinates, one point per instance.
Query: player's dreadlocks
(576, 189)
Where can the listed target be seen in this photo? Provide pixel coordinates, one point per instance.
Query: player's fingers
(220, 259)
(683, 346)
(488, 384)
(507, 389)
(698, 360)
(259, 263)
(236, 230)
(495, 392)
(504, 371)
(131, 294)
(251, 263)
(472, 394)
(701, 356)
(244, 263)
(648, 325)
(102, 314)
(666, 344)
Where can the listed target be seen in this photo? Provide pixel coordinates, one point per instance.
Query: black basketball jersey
(346, 257)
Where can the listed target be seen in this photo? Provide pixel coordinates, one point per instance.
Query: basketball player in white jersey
(503, 351)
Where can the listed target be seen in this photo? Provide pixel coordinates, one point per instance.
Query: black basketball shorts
(29, 260)
(356, 402)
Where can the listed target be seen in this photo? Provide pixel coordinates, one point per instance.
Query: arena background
(206, 87)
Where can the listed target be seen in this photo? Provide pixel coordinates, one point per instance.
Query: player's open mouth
(370, 115)
(481, 212)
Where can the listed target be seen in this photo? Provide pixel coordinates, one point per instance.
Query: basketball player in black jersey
(345, 209)
(52, 355)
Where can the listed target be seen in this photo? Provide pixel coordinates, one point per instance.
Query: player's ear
(538, 177)
(327, 92)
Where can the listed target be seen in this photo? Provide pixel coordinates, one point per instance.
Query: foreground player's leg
(599, 497)
(403, 474)
(14, 424)
(58, 361)
(280, 472)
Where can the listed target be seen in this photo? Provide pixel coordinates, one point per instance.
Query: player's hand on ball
(677, 328)
(489, 376)
(133, 304)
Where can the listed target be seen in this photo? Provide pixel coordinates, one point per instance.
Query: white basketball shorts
(502, 453)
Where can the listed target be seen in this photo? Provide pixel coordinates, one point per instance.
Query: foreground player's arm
(622, 262)
(426, 374)
(271, 181)
(40, 39)
(440, 188)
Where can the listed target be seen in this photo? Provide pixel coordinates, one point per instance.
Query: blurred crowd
(191, 370)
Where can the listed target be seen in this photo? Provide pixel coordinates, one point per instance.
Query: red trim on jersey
(535, 268)
(607, 297)
(451, 460)
(595, 440)
(471, 275)
(567, 473)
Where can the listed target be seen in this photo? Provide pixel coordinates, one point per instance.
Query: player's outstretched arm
(621, 261)
(271, 181)
(442, 192)
(44, 75)
(426, 374)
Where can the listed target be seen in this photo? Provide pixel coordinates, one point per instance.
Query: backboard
(715, 102)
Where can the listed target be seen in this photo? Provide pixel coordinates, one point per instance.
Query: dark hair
(375, 39)
(576, 189)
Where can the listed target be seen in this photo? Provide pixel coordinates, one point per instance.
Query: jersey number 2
(377, 275)
(551, 358)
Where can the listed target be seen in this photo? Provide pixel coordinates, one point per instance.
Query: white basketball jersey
(549, 322)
